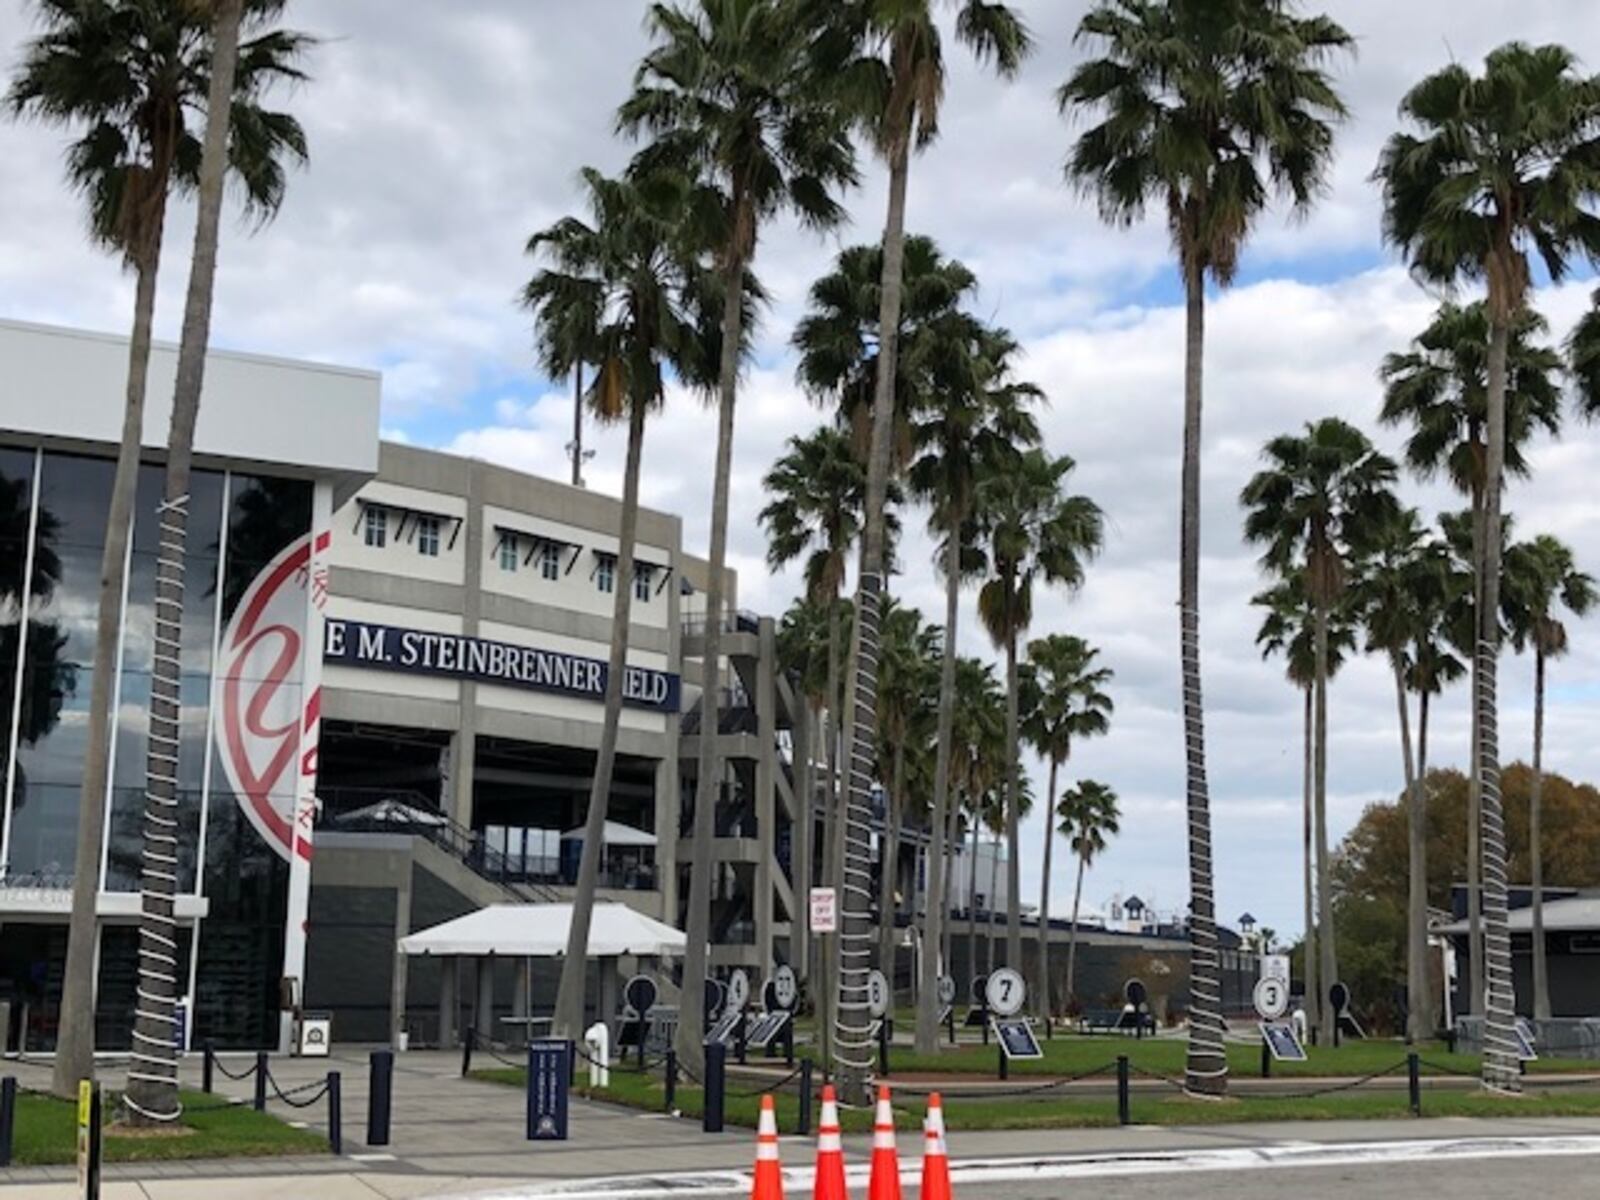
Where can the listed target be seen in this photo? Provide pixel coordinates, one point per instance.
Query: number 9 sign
(1005, 992)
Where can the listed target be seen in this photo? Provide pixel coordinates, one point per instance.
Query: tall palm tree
(907, 711)
(1289, 628)
(1088, 815)
(1205, 108)
(974, 414)
(128, 78)
(977, 742)
(1070, 702)
(1315, 507)
(729, 91)
(152, 1095)
(624, 290)
(1032, 530)
(1400, 588)
(899, 88)
(818, 491)
(1506, 163)
(1439, 388)
(1549, 580)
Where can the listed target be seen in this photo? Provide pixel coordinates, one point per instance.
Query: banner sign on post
(824, 910)
(549, 1074)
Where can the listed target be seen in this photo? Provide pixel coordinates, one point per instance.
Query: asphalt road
(1553, 1178)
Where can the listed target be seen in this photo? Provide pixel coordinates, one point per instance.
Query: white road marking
(1002, 1170)
(372, 1157)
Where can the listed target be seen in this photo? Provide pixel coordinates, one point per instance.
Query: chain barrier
(247, 1073)
(1013, 1092)
(1347, 1085)
(774, 1087)
(317, 1087)
(1444, 1070)
(1166, 1079)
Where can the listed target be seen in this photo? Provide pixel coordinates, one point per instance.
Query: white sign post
(824, 910)
(1005, 992)
(1271, 997)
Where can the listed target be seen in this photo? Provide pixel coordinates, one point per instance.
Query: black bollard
(89, 1171)
(380, 1094)
(716, 1086)
(572, 1063)
(468, 1040)
(208, 1066)
(883, 1048)
(8, 1118)
(1450, 1039)
(261, 1081)
(335, 1114)
(669, 1084)
(1266, 1060)
(1414, 1082)
(805, 1099)
(1123, 1117)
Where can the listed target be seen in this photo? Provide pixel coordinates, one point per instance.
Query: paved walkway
(453, 1136)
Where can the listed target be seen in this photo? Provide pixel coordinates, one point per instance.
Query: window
(641, 584)
(605, 575)
(508, 553)
(377, 527)
(550, 561)
(428, 537)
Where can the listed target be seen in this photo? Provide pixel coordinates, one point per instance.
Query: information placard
(549, 1072)
(1016, 1038)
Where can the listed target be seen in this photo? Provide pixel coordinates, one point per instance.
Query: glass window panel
(44, 825)
(550, 561)
(377, 526)
(204, 534)
(605, 577)
(264, 516)
(16, 506)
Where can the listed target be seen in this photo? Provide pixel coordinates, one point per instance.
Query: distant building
(1572, 951)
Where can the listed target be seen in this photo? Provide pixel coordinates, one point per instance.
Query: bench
(1114, 1020)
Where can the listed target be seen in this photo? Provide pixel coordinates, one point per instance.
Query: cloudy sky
(443, 135)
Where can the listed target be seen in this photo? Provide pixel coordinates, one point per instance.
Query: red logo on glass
(263, 716)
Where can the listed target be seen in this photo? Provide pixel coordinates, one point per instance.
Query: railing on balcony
(738, 621)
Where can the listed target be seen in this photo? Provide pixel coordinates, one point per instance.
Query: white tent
(614, 834)
(540, 931)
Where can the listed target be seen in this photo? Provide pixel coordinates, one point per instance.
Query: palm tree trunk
(889, 861)
(1475, 973)
(972, 901)
(946, 922)
(1541, 968)
(1313, 996)
(75, 1040)
(1042, 989)
(853, 1052)
(1329, 944)
(936, 916)
(691, 1021)
(828, 960)
(152, 1095)
(1417, 891)
(569, 1015)
(1428, 1002)
(1501, 1067)
(1013, 801)
(1072, 937)
(577, 425)
(1206, 1070)
(804, 835)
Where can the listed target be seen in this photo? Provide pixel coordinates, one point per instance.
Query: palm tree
(1506, 163)
(729, 91)
(1194, 99)
(624, 286)
(906, 715)
(977, 742)
(1549, 579)
(1439, 388)
(895, 86)
(1315, 507)
(152, 1095)
(128, 78)
(817, 492)
(1031, 530)
(1088, 816)
(1070, 702)
(1400, 588)
(974, 414)
(1289, 628)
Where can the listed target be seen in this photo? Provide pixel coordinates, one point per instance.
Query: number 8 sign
(1005, 992)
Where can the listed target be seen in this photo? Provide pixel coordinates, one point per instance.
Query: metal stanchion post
(716, 1086)
(467, 1041)
(1414, 1082)
(335, 1114)
(380, 1086)
(1123, 1115)
(261, 1081)
(883, 1048)
(208, 1066)
(8, 1118)
(805, 1098)
(670, 1083)
(1005, 1063)
(1266, 1060)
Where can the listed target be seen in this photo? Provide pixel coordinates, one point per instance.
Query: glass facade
(53, 509)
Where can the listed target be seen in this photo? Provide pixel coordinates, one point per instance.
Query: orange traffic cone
(883, 1183)
(830, 1151)
(935, 1160)
(769, 1176)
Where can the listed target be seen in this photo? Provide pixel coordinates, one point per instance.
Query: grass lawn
(1009, 1112)
(46, 1133)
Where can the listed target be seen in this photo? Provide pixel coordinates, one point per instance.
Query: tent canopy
(615, 834)
(540, 931)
